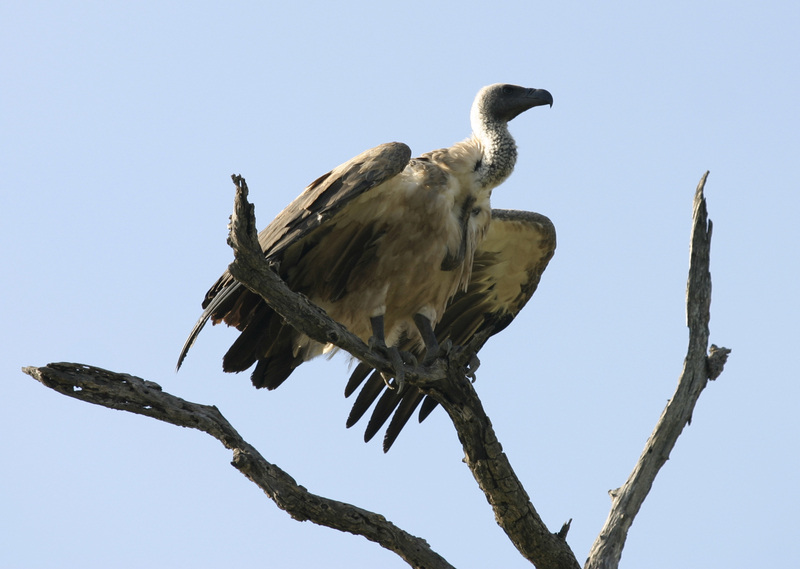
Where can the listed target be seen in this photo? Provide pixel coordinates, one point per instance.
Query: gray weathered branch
(133, 394)
(698, 368)
(445, 381)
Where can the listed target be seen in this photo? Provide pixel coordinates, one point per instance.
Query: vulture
(390, 246)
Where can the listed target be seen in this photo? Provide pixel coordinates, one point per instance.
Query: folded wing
(299, 228)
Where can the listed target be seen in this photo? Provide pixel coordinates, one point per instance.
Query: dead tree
(446, 381)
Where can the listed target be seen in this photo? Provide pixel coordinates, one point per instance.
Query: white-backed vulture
(505, 273)
(381, 243)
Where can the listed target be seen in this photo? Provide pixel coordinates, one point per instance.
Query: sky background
(120, 125)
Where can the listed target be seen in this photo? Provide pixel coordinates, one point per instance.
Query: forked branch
(445, 381)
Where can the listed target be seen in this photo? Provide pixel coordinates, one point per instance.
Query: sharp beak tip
(542, 95)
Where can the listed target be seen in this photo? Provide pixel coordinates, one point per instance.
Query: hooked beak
(539, 97)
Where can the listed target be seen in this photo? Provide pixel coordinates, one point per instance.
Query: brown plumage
(382, 242)
(506, 271)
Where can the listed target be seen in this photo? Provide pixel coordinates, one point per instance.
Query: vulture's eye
(507, 90)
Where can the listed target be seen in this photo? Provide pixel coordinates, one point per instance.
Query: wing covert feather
(328, 194)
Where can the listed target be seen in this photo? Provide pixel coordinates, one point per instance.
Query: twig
(133, 394)
(697, 370)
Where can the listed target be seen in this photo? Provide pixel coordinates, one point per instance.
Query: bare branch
(698, 368)
(133, 394)
(444, 380)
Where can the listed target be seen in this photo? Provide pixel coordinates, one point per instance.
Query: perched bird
(381, 243)
(505, 273)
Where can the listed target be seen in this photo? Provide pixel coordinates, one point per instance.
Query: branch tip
(698, 368)
(562, 533)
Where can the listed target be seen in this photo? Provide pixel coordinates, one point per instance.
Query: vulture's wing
(505, 274)
(321, 201)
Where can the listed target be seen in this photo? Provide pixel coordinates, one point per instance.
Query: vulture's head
(501, 102)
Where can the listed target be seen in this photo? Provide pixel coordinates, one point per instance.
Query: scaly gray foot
(391, 353)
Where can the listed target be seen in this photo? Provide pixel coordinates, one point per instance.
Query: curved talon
(409, 358)
(472, 367)
(396, 360)
(397, 364)
(399, 382)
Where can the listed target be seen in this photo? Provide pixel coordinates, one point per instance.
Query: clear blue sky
(119, 128)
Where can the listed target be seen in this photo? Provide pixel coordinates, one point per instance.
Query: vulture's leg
(432, 348)
(377, 342)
